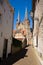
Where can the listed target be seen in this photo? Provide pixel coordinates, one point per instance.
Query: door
(5, 48)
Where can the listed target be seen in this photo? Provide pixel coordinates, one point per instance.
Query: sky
(20, 5)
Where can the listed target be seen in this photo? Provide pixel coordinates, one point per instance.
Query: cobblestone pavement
(30, 58)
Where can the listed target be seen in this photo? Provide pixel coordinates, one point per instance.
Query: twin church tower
(24, 26)
(26, 16)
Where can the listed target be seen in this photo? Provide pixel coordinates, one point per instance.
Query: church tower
(27, 26)
(26, 14)
(26, 20)
(24, 26)
(18, 20)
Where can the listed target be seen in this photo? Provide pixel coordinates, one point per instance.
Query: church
(23, 28)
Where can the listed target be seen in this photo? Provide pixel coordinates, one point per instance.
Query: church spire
(18, 18)
(26, 13)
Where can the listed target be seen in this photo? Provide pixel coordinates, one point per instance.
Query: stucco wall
(6, 27)
(39, 28)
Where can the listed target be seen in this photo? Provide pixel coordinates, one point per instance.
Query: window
(4, 10)
(1, 34)
(38, 1)
(0, 18)
(36, 19)
(7, 21)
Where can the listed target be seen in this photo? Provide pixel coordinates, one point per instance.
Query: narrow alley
(30, 58)
(21, 32)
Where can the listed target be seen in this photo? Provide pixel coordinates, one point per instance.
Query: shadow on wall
(12, 58)
(15, 57)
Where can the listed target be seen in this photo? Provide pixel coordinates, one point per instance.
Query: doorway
(5, 48)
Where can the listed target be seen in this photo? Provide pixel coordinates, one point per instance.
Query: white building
(38, 26)
(6, 26)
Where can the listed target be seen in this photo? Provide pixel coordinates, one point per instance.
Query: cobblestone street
(30, 58)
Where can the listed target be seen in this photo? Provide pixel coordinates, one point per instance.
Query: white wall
(1, 31)
(6, 27)
(39, 14)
